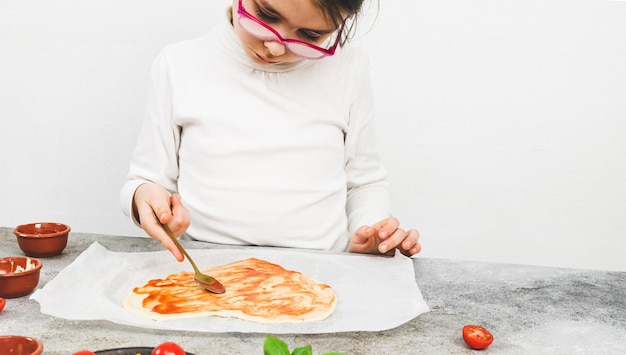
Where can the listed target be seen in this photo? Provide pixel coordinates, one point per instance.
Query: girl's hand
(151, 197)
(383, 237)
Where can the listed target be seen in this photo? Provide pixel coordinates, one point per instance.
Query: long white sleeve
(155, 156)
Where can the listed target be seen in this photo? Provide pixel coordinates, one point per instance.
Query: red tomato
(168, 348)
(84, 352)
(477, 337)
(2, 303)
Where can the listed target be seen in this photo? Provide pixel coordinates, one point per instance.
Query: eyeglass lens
(263, 33)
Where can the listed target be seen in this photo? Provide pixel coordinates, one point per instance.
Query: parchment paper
(374, 293)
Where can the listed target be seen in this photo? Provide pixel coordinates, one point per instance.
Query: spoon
(203, 280)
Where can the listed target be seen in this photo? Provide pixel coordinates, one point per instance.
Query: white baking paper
(373, 293)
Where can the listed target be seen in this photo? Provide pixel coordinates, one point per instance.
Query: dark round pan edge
(129, 351)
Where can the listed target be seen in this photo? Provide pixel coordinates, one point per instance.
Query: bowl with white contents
(19, 276)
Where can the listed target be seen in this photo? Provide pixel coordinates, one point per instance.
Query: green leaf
(275, 346)
(304, 350)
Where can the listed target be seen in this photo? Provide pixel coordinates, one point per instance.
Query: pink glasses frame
(241, 11)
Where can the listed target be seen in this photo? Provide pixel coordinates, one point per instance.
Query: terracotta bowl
(20, 345)
(42, 240)
(19, 275)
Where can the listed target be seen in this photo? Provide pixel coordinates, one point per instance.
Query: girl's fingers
(387, 227)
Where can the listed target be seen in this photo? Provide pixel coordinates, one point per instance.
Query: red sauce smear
(255, 287)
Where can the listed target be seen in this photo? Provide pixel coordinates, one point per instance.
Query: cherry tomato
(84, 352)
(2, 303)
(168, 348)
(477, 337)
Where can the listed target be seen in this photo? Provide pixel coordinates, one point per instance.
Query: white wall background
(503, 122)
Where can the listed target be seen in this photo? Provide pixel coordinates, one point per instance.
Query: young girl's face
(293, 19)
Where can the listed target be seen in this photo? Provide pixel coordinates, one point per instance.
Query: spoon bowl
(203, 280)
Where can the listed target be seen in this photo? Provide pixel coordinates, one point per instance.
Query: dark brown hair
(338, 10)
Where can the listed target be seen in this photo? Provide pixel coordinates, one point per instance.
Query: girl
(265, 128)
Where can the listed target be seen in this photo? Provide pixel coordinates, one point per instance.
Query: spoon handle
(175, 240)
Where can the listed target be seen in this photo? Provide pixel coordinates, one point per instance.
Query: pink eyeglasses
(265, 32)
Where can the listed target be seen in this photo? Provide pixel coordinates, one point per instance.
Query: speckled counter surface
(529, 309)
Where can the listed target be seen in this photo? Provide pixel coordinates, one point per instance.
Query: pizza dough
(256, 290)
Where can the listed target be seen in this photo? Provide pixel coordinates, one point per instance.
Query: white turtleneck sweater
(279, 155)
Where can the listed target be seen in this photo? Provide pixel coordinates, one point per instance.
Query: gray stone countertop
(529, 310)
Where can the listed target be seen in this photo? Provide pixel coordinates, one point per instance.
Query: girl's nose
(276, 48)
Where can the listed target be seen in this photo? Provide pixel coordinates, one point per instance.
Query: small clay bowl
(20, 345)
(19, 275)
(42, 240)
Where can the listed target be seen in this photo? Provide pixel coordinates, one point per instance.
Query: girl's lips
(265, 60)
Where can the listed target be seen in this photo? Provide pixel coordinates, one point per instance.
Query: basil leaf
(275, 346)
(304, 350)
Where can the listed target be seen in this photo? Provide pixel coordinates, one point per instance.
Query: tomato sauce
(254, 287)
